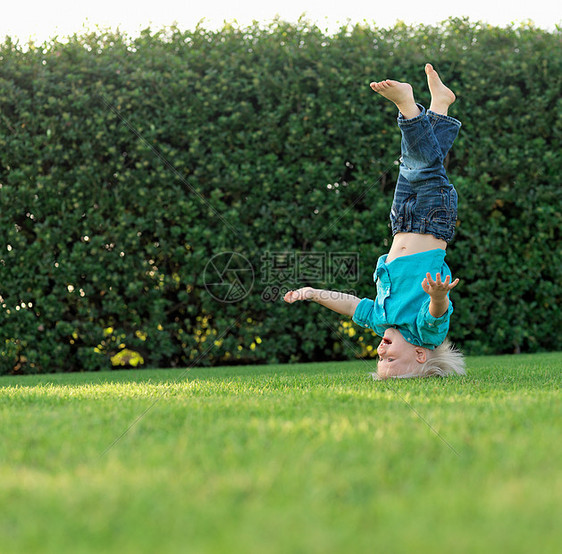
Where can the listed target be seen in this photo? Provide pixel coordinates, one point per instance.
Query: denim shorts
(424, 200)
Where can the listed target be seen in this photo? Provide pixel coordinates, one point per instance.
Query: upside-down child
(412, 310)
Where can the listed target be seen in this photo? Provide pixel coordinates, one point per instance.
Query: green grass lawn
(313, 458)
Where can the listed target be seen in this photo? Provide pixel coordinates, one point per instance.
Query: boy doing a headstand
(412, 310)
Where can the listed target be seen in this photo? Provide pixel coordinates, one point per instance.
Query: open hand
(306, 293)
(438, 288)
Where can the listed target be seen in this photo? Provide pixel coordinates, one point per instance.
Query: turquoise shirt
(401, 301)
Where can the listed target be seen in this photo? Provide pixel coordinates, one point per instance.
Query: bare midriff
(405, 244)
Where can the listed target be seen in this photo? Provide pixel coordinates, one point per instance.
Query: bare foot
(441, 96)
(401, 94)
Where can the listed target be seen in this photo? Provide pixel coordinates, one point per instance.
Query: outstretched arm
(439, 303)
(339, 302)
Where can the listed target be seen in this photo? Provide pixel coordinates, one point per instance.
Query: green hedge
(127, 164)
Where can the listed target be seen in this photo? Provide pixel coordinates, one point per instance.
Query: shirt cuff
(363, 312)
(437, 321)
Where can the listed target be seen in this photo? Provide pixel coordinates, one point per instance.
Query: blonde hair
(444, 360)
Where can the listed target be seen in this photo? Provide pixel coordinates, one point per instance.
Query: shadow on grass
(157, 376)
(531, 371)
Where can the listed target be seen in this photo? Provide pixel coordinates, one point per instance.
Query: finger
(293, 296)
(454, 283)
(430, 280)
(447, 280)
(438, 279)
(425, 285)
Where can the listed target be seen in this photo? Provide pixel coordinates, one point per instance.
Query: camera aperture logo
(228, 277)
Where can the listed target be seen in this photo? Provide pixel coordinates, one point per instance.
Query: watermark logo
(283, 271)
(228, 277)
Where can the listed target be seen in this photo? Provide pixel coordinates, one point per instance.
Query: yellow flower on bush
(127, 357)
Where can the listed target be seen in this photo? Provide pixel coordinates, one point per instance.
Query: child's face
(397, 357)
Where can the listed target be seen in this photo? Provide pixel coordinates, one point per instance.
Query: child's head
(400, 359)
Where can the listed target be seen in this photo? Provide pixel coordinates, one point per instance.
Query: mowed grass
(311, 458)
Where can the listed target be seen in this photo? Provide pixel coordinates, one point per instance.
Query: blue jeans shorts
(424, 200)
